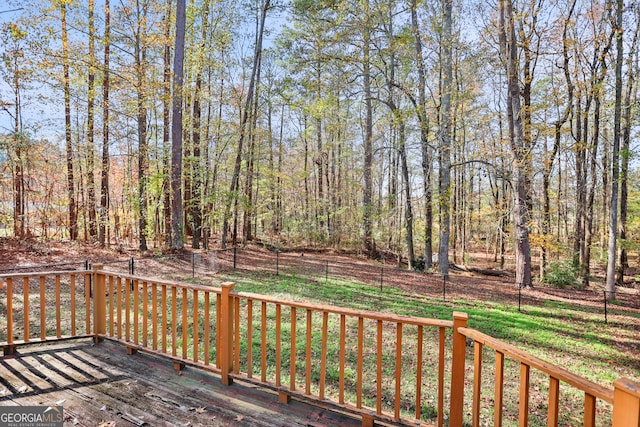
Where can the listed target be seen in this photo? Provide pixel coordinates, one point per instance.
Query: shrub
(561, 275)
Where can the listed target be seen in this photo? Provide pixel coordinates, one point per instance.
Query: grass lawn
(568, 335)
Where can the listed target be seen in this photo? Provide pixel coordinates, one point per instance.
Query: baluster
(323, 354)
(58, 314)
(342, 356)
(398, 370)
(477, 381)
(207, 325)
(419, 375)
(523, 411)
(278, 343)
(25, 308)
(292, 378)
(554, 397)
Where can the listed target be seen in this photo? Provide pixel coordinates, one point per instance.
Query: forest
(421, 129)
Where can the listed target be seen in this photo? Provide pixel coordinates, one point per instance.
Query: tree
(233, 190)
(91, 190)
(509, 45)
(71, 203)
(444, 149)
(176, 130)
(104, 178)
(610, 286)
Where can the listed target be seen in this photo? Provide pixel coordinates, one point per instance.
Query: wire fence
(321, 268)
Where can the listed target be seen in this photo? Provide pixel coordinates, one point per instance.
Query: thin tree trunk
(91, 185)
(424, 141)
(444, 187)
(369, 246)
(104, 179)
(615, 168)
(143, 145)
(626, 140)
(71, 202)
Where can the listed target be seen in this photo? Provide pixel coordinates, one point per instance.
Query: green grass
(565, 334)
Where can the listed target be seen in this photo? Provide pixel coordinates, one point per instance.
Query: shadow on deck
(102, 384)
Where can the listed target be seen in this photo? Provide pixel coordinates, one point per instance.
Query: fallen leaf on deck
(239, 418)
(60, 402)
(104, 408)
(200, 410)
(22, 389)
(107, 424)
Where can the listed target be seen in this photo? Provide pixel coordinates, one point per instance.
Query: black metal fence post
(381, 277)
(519, 296)
(326, 273)
(444, 287)
(235, 255)
(193, 265)
(277, 263)
(132, 269)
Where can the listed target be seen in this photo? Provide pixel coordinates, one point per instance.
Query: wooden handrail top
(396, 318)
(45, 273)
(557, 372)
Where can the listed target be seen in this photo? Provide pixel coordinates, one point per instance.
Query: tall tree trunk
(424, 140)
(71, 202)
(520, 152)
(143, 145)
(615, 167)
(444, 184)
(249, 209)
(367, 224)
(91, 185)
(196, 202)
(104, 179)
(166, 123)
(626, 140)
(176, 131)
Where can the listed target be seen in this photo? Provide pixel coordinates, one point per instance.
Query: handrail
(562, 374)
(387, 317)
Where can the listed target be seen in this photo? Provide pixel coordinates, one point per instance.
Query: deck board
(101, 383)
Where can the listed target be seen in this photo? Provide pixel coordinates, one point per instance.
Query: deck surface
(100, 385)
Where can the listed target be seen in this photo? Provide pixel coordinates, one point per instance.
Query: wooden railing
(44, 307)
(625, 397)
(379, 366)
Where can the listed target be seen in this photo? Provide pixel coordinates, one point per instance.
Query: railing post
(626, 403)
(99, 303)
(457, 370)
(226, 333)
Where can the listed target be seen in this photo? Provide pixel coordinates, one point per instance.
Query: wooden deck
(102, 384)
